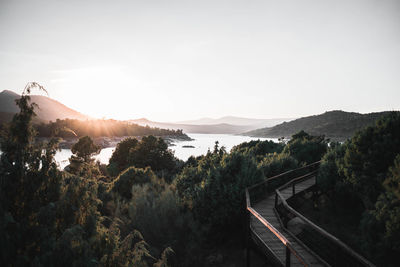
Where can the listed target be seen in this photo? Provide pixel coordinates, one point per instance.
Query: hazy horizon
(200, 120)
(184, 60)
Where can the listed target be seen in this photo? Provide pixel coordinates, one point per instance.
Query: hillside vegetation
(101, 128)
(336, 125)
(360, 185)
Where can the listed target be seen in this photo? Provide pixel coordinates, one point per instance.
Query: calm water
(201, 144)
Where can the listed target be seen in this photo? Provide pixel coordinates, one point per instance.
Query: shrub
(124, 182)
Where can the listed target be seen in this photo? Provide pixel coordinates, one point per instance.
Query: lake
(201, 144)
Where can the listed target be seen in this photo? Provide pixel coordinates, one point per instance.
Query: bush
(131, 176)
(159, 216)
(275, 164)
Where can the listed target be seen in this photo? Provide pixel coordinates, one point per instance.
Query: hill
(49, 109)
(221, 128)
(336, 125)
(256, 123)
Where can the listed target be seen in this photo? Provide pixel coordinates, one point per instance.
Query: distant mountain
(221, 128)
(256, 123)
(49, 109)
(336, 125)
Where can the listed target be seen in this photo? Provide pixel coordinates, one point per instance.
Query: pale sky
(178, 60)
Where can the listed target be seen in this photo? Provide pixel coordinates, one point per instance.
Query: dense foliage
(361, 179)
(214, 188)
(150, 152)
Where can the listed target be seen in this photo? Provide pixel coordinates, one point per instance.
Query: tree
(328, 173)
(119, 159)
(381, 225)
(361, 178)
(29, 182)
(153, 152)
(392, 182)
(213, 188)
(85, 148)
(259, 148)
(369, 155)
(306, 148)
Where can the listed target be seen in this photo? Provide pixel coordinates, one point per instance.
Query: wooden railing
(268, 186)
(289, 248)
(343, 255)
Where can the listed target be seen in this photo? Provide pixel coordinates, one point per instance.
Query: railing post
(293, 189)
(287, 256)
(276, 199)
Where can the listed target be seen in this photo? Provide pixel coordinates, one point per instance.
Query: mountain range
(50, 110)
(218, 128)
(257, 123)
(337, 125)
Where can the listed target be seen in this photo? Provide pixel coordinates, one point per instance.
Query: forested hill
(336, 125)
(102, 128)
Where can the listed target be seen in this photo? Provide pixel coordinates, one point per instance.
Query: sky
(180, 60)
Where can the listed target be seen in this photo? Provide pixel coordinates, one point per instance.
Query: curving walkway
(266, 209)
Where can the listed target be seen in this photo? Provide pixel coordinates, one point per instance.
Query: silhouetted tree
(119, 159)
(153, 152)
(29, 182)
(85, 148)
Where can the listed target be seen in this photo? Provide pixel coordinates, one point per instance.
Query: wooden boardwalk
(266, 209)
(266, 232)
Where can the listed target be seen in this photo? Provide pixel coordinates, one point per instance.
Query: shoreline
(106, 141)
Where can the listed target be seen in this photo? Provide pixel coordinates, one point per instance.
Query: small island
(186, 146)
